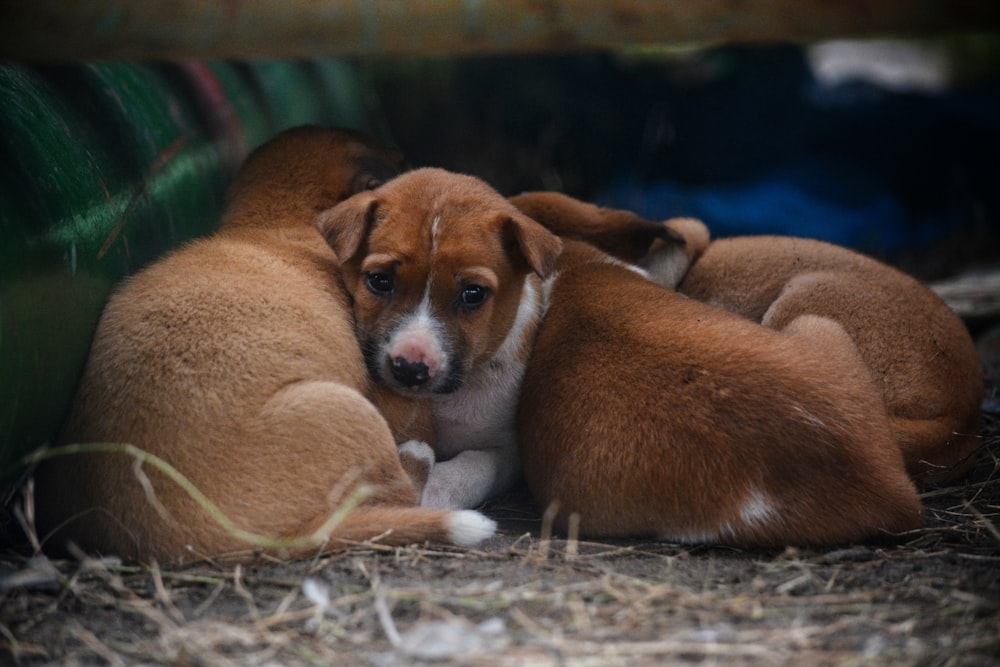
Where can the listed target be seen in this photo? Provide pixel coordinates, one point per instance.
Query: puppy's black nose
(410, 373)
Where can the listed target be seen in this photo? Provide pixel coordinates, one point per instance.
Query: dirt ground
(932, 598)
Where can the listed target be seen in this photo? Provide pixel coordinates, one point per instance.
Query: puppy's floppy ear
(539, 247)
(670, 257)
(346, 225)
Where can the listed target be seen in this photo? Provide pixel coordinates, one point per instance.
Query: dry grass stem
(350, 501)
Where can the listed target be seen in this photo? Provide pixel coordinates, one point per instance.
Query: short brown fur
(234, 359)
(650, 414)
(919, 352)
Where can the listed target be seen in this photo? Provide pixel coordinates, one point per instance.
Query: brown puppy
(647, 413)
(919, 353)
(446, 277)
(234, 360)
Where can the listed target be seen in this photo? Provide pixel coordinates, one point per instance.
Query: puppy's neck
(484, 410)
(507, 363)
(517, 345)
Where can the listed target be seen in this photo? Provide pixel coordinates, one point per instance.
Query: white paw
(440, 492)
(438, 498)
(418, 450)
(468, 528)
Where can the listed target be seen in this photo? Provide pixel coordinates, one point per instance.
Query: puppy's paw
(417, 450)
(442, 492)
(417, 459)
(436, 496)
(669, 259)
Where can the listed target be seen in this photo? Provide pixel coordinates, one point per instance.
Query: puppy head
(437, 265)
(303, 171)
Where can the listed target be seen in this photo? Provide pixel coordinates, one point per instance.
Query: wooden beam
(54, 30)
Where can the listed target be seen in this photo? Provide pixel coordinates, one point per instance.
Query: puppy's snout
(410, 373)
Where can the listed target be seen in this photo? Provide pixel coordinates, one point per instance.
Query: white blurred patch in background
(896, 65)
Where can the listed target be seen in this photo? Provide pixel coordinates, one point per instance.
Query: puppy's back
(186, 355)
(650, 414)
(234, 360)
(920, 353)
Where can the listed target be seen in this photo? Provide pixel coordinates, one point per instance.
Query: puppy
(234, 360)
(648, 414)
(919, 353)
(446, 278)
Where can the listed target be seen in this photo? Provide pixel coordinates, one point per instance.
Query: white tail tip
(468, 528)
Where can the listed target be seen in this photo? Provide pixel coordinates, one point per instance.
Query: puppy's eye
(373, 183)
(379, 283)
(472, 297)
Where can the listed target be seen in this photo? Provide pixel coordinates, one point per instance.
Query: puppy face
(436, 263)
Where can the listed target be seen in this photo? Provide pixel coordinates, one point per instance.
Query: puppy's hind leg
(929, 381)
(316, 445)
(872, 477)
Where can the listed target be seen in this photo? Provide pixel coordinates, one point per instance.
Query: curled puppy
(234, 360)
(648, 414)
(919, 353)
(446, 279)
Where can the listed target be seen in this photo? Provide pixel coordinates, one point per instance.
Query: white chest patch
(482, 414)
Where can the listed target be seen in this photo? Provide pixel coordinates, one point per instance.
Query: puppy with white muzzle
(446, 279)
(233, 359)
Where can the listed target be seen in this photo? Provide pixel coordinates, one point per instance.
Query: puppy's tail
(396, 526)
(400, 526)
